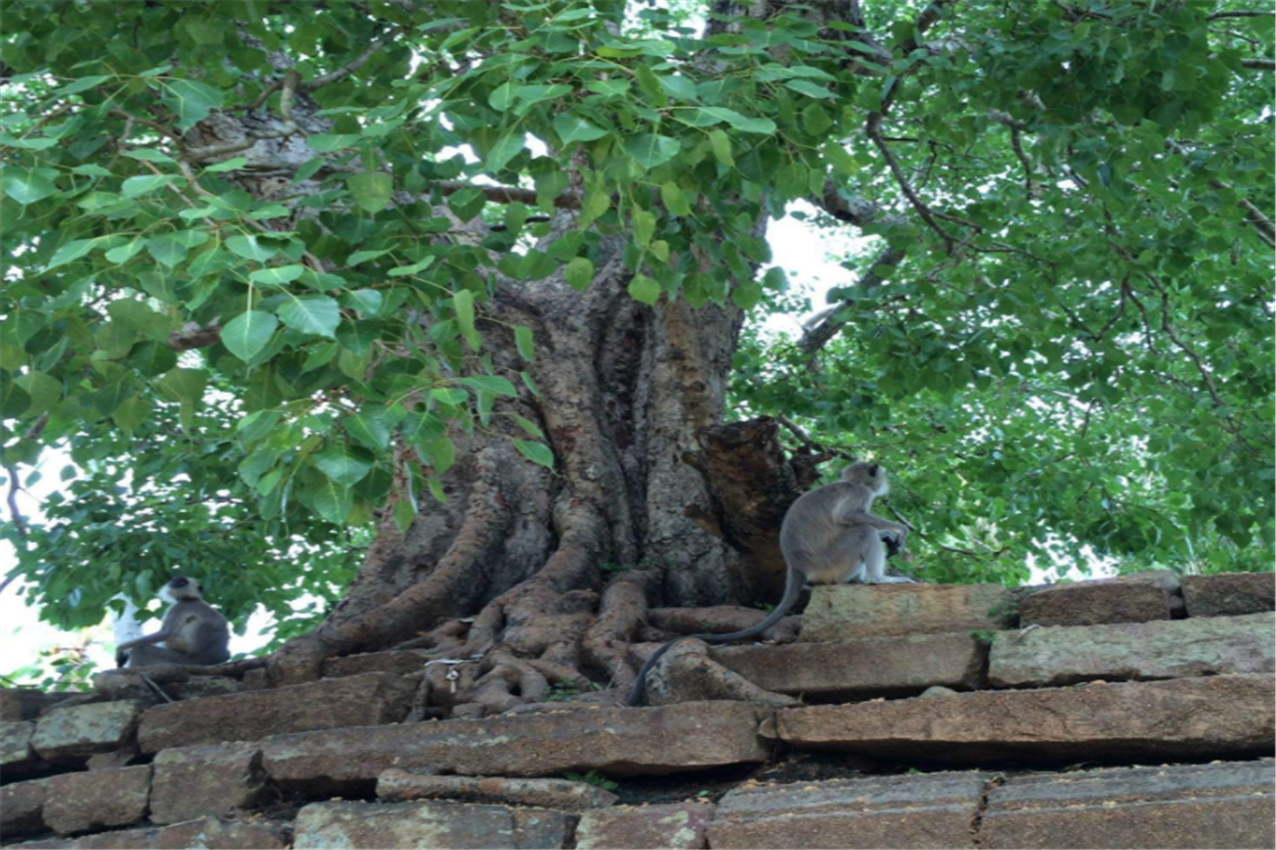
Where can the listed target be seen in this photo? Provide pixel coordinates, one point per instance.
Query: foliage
(595, 778)
(1076, 341)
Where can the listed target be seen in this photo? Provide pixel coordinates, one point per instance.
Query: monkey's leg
(875, 563)
(147, 655)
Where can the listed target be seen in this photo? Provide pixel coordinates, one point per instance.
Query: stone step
(203, 834)
(851, 611)
(364, 700)
(857, 669)
(1228, 804)
(1165, 649)
(1224, 594)
(83, 730)
(674, 826)
(356, 825)
(1212, 717)
(1088, 603)
(615, 741)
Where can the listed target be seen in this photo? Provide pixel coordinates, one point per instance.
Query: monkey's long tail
(792, 590)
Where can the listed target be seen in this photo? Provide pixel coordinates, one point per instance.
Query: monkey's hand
(121, 657)
(894, 543)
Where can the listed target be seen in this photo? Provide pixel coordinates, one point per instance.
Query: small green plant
(985, 635)
(562, 693)
(593, 778)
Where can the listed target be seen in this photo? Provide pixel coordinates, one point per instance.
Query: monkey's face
(180, 588)
(871, 475)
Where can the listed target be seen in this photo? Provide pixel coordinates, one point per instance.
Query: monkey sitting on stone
(193, 632)
(828, 537)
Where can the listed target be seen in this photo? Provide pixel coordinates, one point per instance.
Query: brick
(202, 834)
(22, 807)
(1229, 593)
(82, 730)
(614, 741)
(1226, 804)
(428, 825)
(679, 826)
(192, 782)
(919, 811)
(368, 700)
(401, 662)
(856, 669)
(849, 611)
(1213, 717)
(1093, 602)
(1165, 649)
(98, 799)
(25, 703)
(401, 786)
(15, 742)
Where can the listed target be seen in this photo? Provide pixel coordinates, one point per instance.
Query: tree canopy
(245, 291)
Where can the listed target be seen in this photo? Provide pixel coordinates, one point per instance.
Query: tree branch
(827, 328)
(1259, 64)
(352, 66)
(192, 335)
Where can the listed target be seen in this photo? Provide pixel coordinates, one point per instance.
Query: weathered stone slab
(22, 808)
(25, 703)
(352, 826)
(83, 730)
(401, 786)
(1229, 593)
(871, 667)
(1089, 603)
(202, 834)
(1214, 717)
(1186, 806)
(680, 826)
(98, 799)
(192, 782)
(401, 662)
(920, 811)
(367, 700)
(615, 741)
(1165, 649)
(15, 742)
(849, 611)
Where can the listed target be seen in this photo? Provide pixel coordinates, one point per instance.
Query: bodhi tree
(436, 311)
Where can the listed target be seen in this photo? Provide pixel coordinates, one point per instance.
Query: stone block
(98, 799)
(15, 742)
(850, 611)
(353, 826)
(1226, 805)
(368, 700)
(1164, 649)
(202, 834)
(83, 730)
(193, 782)
(203, 686)
(25, 703)
(614, 741)
(1222, 594)
(22, 808)
(401, 662)
(858, 669)
(920, 811)
(1213, 717)
(679, 826)
(401, 786)
(1089, 603)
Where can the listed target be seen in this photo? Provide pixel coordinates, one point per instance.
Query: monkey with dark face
(828, 537)
(193, 632)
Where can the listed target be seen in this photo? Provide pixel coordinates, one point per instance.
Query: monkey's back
(201, 627)
(809, 527)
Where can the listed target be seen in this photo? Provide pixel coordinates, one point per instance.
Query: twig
(808, 443)
(1251, 13)
(1259, 64)
(15, 488)
(352, 66)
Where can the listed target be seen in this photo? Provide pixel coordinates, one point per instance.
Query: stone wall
(1135, 712)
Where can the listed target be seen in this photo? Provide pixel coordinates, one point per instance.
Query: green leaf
(368, 428)
(131, 413)
(333, 502)
(363, 256)
(502, 96)
(505, 149)
(372, 190)
(171, 248)
(137, 186)
(579, 273)
(14, 400)
(490, 384)
(193, 101)
(227, 165)
(125, 252)
(809, 88)
(250, 248)
(70, 252)
(449, 396)
(644, 289)
(535, 452)
(651, 150)
(572, 128)
(463, 304)
(644, 227)
(277, 275)
(525, 343)
(343, 465)
(26, 186)
(366, 301)
(312, 314)
(721, 144)
(740, 122)
(674, 199)
(442, 454)
(247, 334)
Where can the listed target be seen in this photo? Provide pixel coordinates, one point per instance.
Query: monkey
(828, 537)
(193, 632)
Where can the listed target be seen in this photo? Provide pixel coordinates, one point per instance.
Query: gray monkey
(828, 537)
(193, 632)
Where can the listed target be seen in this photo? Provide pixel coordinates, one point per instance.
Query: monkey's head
(871, 475)
(180, 588)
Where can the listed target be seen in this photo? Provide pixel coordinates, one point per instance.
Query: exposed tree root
(687, 673)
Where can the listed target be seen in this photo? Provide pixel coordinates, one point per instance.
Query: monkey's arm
(166, 631)
(862, 517)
